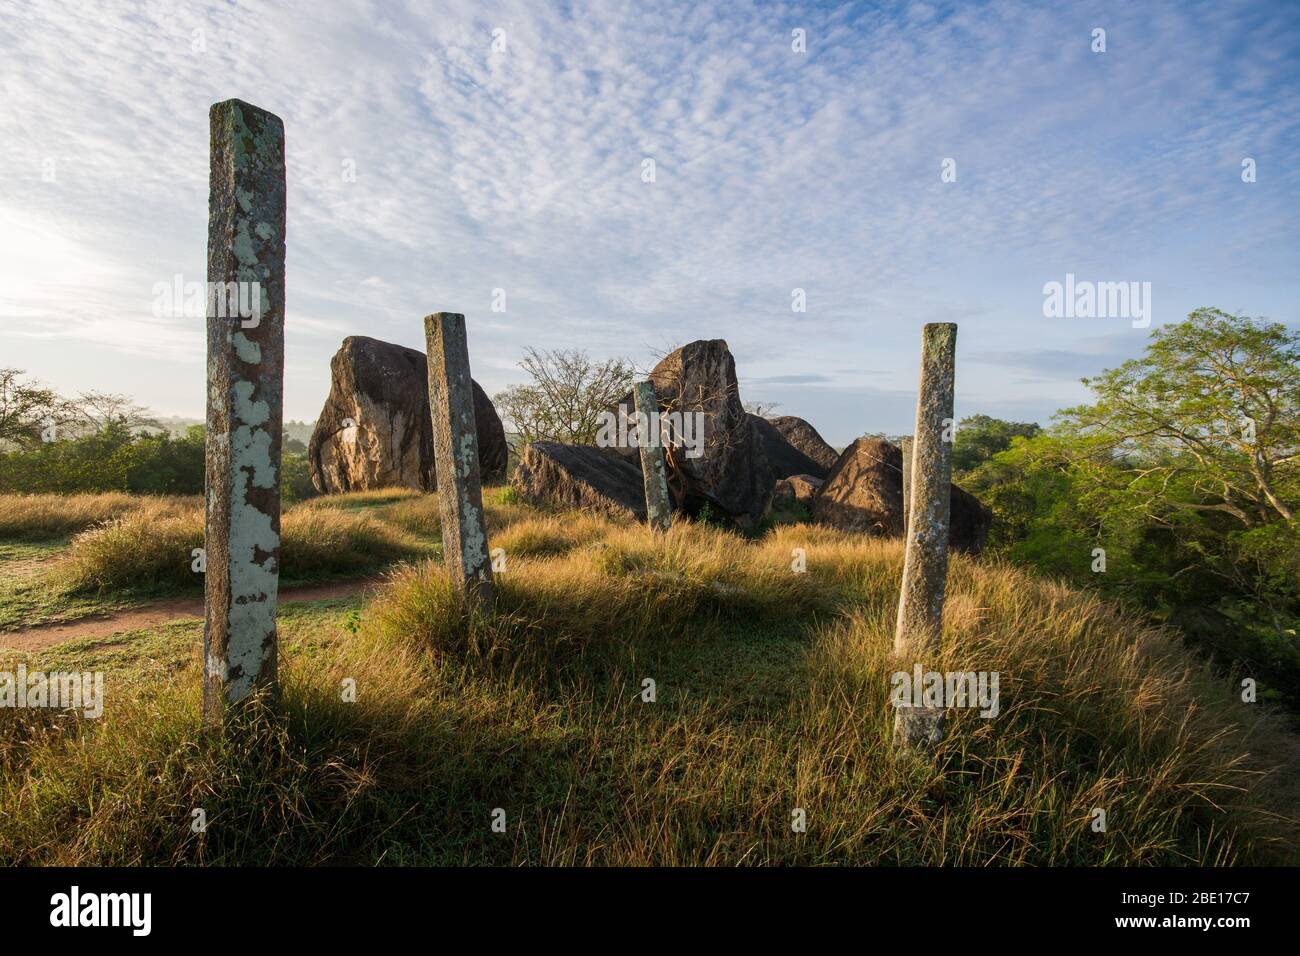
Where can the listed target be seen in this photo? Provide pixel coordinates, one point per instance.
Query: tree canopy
(1183, 477)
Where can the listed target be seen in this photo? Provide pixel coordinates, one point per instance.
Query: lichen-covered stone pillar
(455, 457)
(658, 506)
(925, 564)
(245, 332)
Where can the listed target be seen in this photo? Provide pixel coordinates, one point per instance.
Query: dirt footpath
(164, 612)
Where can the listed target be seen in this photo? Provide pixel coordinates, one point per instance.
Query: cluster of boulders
(375, 432)
(864, 492)
(746, 466)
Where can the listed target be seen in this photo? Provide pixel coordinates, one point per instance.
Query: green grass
(112, 552)
(17, 556)
(148, 552)
(772, 694)
(30, 601)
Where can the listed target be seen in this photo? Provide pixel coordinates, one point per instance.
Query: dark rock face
(784, 457)
(968, 527)
(804, 438)
(375, 430)
(732, 473)
(580, 476)
(797, 488)
(864, 492)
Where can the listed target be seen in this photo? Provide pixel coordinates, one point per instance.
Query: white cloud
(521, 170)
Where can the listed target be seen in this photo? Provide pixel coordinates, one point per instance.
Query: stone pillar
(245, 333)
(455, 458)
(658, 506)
(925, 565)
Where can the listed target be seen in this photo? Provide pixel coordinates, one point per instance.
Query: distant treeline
(117, 458)
(102, 442)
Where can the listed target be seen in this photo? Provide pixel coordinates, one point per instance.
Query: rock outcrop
(968, 525)
(864, 492)
(375, 432)
(784, 457)
(579, 476)
(731, 473)
(805, 439)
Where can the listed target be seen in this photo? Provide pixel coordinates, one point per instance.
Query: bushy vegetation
(113, 458)
(770, 694)
(295, 478)
(117, 459)
(99, 442)
(1176, 490)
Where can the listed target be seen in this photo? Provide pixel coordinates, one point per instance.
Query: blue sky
(521, 169)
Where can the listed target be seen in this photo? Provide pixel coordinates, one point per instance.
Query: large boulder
(968, 522)
(579, 476)
(731, 473)
(375, 430)
(805, 439)
(864, 492)
(797, 489)
(786, 458)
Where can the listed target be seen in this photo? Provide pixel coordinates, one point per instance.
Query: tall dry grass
(153, 546)
(771, 695)
(42, 517)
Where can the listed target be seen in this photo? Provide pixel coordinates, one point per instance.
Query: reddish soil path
(163, 612)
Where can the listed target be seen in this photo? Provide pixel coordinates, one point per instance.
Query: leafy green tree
(980, 437)
(1184, 475)
(293, 446)
(295, 479)
(1212, 410)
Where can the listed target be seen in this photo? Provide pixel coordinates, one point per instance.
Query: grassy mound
(771, 695)
(152, 545)
(133, 549)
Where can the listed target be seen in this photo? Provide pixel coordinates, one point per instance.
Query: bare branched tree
(761, 409)
(96, 410)
(569, 390)
(28, 409)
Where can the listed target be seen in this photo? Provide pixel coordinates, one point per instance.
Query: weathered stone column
(246, 225)
(658, 506)
(925, 565)
(455, 457)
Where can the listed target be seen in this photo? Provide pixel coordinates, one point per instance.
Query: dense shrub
(110, 459)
